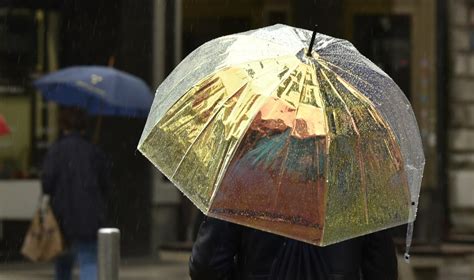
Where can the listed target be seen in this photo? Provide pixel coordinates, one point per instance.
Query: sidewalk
(171, 266)
(174, 266)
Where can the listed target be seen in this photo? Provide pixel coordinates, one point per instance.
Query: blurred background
(426, 46)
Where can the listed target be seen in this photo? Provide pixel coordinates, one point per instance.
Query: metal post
(159, 46)
(108, 254)
(178, 31)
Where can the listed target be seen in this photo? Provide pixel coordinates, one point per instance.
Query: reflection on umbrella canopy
(284, 145)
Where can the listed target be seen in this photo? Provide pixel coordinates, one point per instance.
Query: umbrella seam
(244, 131)
(210, 119)
(364, 185)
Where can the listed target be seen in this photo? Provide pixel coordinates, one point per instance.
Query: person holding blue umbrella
(76, 176)
(99, 90)
(76, 173)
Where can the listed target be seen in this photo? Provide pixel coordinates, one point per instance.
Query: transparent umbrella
(316, 144)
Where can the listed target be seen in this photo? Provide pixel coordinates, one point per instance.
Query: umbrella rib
(365, 61)
(358, 144)
(314, 78)
(280, 173)
(346, 108)
(326, 151)
(287, 148)
(375, 117)
(303, 45)
(343, 70)
(338, 54)
(224, 166)
(156, 107)
(350, 88)
(218, 69)
(205, 127)
(362, 64)
(212, 118)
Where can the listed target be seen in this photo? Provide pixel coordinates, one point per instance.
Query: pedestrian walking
(227, 251)
(76, 175)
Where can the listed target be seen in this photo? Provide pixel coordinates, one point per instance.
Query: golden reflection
(285, 146)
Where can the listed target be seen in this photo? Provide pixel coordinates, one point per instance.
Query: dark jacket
(76, 175)
(228, 251)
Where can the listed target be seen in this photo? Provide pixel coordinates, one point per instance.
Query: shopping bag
(43, 240)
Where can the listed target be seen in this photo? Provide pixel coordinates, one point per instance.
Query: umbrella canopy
(4, 129)
(97, 89)
(320, 147)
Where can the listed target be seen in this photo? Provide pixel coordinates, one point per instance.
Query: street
(170, 266)
(173, 266)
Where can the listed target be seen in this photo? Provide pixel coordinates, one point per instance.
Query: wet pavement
(445, 262)
(173, 266)
(170, 266)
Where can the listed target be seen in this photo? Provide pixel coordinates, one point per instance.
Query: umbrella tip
(310, 49)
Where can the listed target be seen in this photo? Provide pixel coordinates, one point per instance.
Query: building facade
(148, 39)
(461, 116)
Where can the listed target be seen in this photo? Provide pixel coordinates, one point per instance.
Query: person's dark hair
(71, 118)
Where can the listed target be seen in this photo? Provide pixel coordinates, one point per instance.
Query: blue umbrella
(97, 89)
